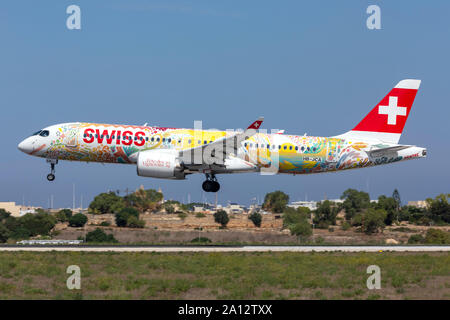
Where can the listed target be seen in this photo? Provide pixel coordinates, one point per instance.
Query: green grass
(280, 275)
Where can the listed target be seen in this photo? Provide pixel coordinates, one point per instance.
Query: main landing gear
(210, 184)
(51, 175)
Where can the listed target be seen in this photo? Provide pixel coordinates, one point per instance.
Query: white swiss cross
(392, 110)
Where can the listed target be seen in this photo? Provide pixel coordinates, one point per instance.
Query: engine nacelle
(159, 164)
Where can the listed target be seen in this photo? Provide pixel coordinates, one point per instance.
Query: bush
(436, 236)
(256, 218)
(169, 208)
(134, 222)
(415, 239)
(201, 240)
(105, 224)
(98, 235)
(301, 229)
(77, 220)
(123, 215)
(200, 215)
(322, 225)
(182, 215)
(346, 226)
(330, 229)
(221, 217)
(63, 215)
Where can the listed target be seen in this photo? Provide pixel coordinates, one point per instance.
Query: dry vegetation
(169, 228)
(28, 275)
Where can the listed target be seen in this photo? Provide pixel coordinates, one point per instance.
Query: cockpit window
(44, 133)
(36, 133)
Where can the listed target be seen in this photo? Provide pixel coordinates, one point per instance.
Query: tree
(123, 216)
(144, 200)
(372, 220)
(37, 224)
(256, 218)
(355, 202)
(17, 230)
(390, 205)
(4, 214)
(77, 220)
(4, 233)
(396, 196)
(326, 214)
(106, 203)
(221, 217)
(98, 235)
(439, 208)
(275, 201)
(292, 216)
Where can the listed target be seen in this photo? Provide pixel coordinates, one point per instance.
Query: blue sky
(309, 67)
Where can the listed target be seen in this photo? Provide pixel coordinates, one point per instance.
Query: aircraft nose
(25, 146)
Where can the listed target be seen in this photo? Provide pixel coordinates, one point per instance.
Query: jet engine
(159, 164)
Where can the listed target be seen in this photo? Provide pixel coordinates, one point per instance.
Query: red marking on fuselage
(38, 149)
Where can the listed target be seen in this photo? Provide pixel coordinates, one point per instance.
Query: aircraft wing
(218, 150)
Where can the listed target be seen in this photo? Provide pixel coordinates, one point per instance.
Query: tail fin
(386, 121)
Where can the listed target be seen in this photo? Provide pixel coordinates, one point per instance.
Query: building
(233, 208)
(418, 204)
(312, 205)
(16, 210)
(11, 207)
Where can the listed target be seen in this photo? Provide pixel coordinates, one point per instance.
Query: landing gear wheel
(210, 184)
(207, 186)
(51, 175)
(216, 186)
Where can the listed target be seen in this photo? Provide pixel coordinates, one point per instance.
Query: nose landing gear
(210, 184)
(51, 175)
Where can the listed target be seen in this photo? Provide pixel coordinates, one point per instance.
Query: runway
(41, 248)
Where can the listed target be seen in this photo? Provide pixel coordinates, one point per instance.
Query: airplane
(174, 153)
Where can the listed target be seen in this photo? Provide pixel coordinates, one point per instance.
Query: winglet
(255, 125)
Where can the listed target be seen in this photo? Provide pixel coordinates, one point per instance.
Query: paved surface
(41, 248)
